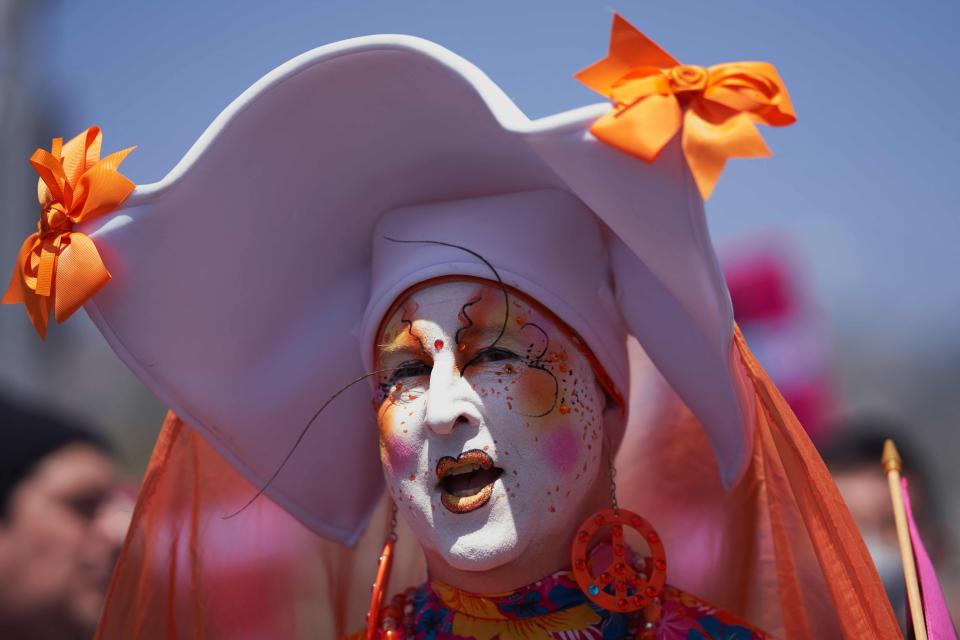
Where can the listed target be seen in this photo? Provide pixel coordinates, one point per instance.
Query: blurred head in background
(62, 520)
(853, 457)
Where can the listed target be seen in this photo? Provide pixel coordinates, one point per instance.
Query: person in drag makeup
(413, 339)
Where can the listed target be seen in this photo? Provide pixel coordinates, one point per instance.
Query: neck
(546, 555)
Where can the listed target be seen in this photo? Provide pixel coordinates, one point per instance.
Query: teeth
(467, 468)
(467, 462)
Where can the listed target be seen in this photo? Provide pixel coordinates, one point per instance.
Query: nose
(450, 399)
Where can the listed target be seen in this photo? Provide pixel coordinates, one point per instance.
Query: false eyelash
(411, 364)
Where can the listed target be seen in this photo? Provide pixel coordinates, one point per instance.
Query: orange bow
(57, 263)
(654, 96)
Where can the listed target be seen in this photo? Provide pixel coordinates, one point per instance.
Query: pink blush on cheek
(561, 450)
(401, 455)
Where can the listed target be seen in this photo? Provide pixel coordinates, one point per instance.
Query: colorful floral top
(556, 609)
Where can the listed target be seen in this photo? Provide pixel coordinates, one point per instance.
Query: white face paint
(491, 432)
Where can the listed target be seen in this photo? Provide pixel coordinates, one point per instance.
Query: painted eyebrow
(405, 342)
(388, 350)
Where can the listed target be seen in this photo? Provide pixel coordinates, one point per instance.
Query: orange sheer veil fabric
(186, 570)
(779, 550)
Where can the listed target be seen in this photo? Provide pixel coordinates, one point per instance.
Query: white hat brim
(240, 278)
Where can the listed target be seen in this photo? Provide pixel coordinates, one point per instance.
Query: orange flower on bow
(654, 97)
(58, 267)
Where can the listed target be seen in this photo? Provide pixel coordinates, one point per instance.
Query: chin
(482, 540)
(488, 548)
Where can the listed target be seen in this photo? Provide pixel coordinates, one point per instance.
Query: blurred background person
(853, 454)
(63, 517)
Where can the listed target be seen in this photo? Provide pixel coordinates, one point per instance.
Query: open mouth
(466, 482)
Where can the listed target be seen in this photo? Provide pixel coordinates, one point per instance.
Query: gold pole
(892, 465)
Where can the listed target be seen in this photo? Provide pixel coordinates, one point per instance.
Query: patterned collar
(551, 594)
(554, 607)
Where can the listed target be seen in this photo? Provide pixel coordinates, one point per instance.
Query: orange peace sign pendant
(622, 587)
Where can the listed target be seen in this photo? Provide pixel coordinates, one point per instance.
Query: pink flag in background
(935, 612)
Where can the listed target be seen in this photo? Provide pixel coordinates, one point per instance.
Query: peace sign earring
(627, 585)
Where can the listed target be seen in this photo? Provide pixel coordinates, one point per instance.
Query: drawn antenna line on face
(543, 470)
(556, 390)
(506, 316)
(408, 323)
(500, 334)
(463, 310)
(537, 365)
(489, 265)
(546, 340)
(393, 393)
(300, 438)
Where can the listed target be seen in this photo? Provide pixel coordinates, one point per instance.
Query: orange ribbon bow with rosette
(58, 267)
(654, 97)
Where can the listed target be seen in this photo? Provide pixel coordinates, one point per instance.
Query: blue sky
(866, 183)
